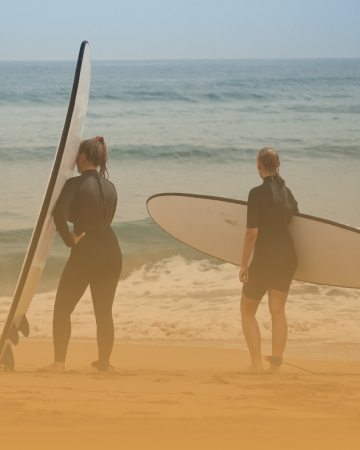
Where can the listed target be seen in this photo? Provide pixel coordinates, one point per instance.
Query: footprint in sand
(27, 392)
(215, 380)
(55, 412)
(9, 405)
(29, 397)
(164, 402)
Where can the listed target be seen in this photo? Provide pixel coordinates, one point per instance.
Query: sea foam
(180, 299)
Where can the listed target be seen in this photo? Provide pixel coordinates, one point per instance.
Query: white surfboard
(44, 231)
(328, 252)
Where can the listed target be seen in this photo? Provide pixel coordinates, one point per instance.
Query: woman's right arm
(253, 214)
(114, 210)
(115, 203)
(249, 244)
(295, 203)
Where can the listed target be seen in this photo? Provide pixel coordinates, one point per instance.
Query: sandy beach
(184, 94)
(176, 397)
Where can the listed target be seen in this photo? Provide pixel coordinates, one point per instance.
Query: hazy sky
(179, 29)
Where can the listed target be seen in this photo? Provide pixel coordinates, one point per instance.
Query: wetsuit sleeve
(294, 202)
(60, 212)
(114, 209)
(253, 211)
(115, 203)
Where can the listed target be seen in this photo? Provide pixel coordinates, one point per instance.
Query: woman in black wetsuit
(89, 202)
(270, 208)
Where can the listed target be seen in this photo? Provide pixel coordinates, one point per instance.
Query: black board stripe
(46, 202)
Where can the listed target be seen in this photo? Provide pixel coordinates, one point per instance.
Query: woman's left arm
(249, 243)
(61, 210)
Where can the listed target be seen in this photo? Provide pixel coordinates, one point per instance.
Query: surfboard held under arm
(328, 252)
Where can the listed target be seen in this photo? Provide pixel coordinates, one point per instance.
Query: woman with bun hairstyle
(89, 202)
(270, 209)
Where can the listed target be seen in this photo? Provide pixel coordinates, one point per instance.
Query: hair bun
(101, 139)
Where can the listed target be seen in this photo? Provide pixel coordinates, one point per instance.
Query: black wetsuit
(270, 209)
(96, 260)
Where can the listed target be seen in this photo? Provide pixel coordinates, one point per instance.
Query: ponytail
(95, 152)
(269, 159)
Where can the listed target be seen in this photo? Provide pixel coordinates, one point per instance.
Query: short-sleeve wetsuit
(270, 209)
(96, 260)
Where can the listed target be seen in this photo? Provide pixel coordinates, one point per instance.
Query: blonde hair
(268, 157)
(95, 152)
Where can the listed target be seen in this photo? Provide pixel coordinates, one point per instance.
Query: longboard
(44, 231)
(328, 252)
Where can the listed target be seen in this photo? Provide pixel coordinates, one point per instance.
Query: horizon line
(185, 59)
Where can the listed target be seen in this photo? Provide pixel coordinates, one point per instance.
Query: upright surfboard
(328, 252)
(44, 231)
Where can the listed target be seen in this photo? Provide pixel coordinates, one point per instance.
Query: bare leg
(277, 301)
(248, 308)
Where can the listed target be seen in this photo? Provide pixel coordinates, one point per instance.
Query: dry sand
(165, 397)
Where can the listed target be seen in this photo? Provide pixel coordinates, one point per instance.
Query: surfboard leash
(277, 361)
(301, 368)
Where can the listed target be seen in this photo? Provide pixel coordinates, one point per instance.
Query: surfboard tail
(24, 327)
(13, 335)
(7, 358)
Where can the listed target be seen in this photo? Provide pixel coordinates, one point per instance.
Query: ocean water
(185, 126)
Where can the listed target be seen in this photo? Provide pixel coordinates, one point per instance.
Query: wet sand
(171, 397)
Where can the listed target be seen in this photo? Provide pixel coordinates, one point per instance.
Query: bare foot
(252, 370)
(273, 370)
(56, 367)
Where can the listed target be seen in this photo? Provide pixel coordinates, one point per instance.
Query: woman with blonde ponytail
(270, 208)
(89, 202)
